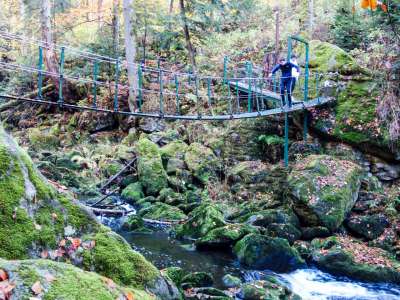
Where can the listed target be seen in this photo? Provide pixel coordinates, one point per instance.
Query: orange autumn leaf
(372, 4)
(384, 7)
(129, 296)
(365, 4)
(3, 275)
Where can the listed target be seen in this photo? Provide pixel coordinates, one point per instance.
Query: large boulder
(368, 226)
(346, 257)
(45, 279)
(324, 190)
(201, 220)
(162, 212)
(202, 162)
(133, 192)
(150, 168)
(263, 252)
(38, 221)
(224, 237)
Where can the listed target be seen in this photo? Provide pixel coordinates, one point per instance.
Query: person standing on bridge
(286, 79)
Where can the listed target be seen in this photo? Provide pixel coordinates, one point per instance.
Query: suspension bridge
(242, 92)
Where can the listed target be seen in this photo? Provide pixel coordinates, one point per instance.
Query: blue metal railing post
(61, 79)
(40, 73)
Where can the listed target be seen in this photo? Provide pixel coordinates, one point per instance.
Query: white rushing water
(313, 284)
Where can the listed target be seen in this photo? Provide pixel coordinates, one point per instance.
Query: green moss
(133, 192)
(150, 169)
(162, 211)
(175, 274)
(42, 140)
(114, 258)
(175, 149)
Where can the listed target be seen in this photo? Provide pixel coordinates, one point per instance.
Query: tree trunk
(310, 17)
(130, 50)
(49, 51)
(115, 26)
(187, 36)
(277, 37)
(171, 7)
(99, 12)
(23, 16)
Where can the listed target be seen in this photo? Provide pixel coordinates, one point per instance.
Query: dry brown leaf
(44, 254)
(37, 288)
(62, 243)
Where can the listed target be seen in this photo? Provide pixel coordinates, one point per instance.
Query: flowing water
(311, 284)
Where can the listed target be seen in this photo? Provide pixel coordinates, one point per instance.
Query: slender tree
(130, 50)
(187, 35)
(115, 26)
(47, 36)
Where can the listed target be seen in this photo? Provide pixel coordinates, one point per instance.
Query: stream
(310, 284)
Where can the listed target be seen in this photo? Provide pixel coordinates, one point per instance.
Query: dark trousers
(294, 80)
(286, 85)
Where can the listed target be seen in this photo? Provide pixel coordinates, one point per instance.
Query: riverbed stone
(162, 212)
(269, 289)
(324, 190)
(206, 293)
(197, 279)
(231, 281)
(224, 237)
(150, 168)
(368, 226)
(201, 220)
(346, 257)
(133, 192)
(202, 162)
(309, 233)
(263, 252)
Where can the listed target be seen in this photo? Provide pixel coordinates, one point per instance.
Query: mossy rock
(34, 219)
(324, 190)
(202, 162)
(231, 281)
(63, 281)
(269, 289)
(369, 226)
(133, 192)
(136, 224)
(162, 212)
(175, 274)
(262, 252)
(169, 196)
(201, 220)
(197, 279)
(224, 237)
(150, 168)
(175, 149)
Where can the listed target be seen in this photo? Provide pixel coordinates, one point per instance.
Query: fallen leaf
(129, 296)
(49, 277)
(3, 275)
(62, 243)
(54, 216)
(44, 254)
(37, 288)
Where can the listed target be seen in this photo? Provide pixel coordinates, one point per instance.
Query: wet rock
(175, 274)
(174, 165)
(133, 192)
(324, 190)
(162, 212)
(304, 248)
(369, 226)
(134, 223)
(150, 169)
(170, 197)
(201, 220)
(224, 237)
(262, 252)
(309, 233)
(197, 279)
(231, 281)
(269, 289)
(206, 293)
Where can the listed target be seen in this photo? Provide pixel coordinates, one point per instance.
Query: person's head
(282, 61)
(293, 58)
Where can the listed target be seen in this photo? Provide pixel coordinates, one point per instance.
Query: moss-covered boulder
(133, 192)
(201, 220)
(231, 281)
(202, 162)
(224, 237)
(169, 196)
(175, 149)
(197, 279)
(37, 221)
(263, 252)
(150, 168)
(269, 289)
(175, 274)
(162, 212)
(134, 223)
(324, 190)
(346, 257)
(45, 279)
(368, 226)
